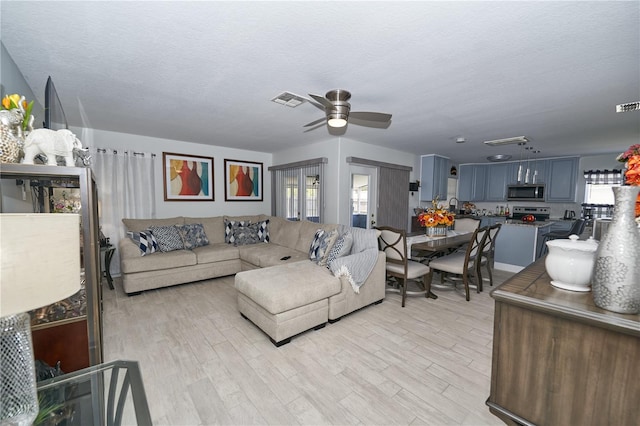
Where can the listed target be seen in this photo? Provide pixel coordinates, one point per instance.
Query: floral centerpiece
(436, 219)
(631, 158)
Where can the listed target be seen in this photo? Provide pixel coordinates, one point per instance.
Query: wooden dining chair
(393, 242)
(464, 264)
(466, 224)
(487, 254)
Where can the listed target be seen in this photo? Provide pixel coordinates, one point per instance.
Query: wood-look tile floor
(202, 363)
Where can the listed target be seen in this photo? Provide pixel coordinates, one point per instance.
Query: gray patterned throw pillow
(321, 245)
(229, 226)
(243, 235)
(341, 248)
(168, 237)
(193, 235)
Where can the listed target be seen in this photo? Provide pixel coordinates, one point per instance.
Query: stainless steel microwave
(525, 193)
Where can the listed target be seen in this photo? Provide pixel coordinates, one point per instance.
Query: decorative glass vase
(616, 281)
(437, 231)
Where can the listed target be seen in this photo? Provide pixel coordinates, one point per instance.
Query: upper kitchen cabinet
(434, 172)
(561, 175)
(497, 179)
(472, 182)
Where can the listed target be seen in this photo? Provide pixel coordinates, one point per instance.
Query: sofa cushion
(168, 237)
(284, 232)
(342, 246)
(264, 255)
(322, 242)
(145, 241)
(159, 261)
(193, 235)
(289, 286)
(213, 227)
(137, 225)
(216, 253)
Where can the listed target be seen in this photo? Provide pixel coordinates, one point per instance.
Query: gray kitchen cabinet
(472, 182)
(497, 178)
(561, 177)
(434, 172)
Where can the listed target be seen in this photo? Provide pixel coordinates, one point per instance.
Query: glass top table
(105, 394)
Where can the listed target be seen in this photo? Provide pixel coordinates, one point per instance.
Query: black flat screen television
(54, 117)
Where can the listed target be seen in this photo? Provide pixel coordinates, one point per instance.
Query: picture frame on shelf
(187, 177)
(243, 180)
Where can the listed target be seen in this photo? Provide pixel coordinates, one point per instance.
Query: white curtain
(126, 189)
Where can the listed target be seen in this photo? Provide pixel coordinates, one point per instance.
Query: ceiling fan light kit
(338, 109)
(507, 141)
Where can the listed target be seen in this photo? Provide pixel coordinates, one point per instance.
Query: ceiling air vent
(289, 99)
(631, 106)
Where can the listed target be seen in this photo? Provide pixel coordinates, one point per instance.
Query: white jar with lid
(570, 263)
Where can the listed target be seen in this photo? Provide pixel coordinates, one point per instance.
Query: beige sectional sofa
(278, 299)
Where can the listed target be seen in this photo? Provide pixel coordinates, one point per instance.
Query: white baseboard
(507, 267)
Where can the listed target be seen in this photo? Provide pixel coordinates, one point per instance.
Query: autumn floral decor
(631, 158)
(436, 217)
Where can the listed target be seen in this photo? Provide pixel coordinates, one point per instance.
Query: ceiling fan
(338, 111)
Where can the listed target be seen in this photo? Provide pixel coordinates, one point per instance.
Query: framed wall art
(187, 177)
(242, 180)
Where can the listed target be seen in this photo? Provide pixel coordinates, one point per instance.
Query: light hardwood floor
(202, 363)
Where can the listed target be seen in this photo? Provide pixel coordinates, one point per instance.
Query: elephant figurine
(51, 143)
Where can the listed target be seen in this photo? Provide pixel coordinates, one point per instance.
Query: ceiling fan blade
(310, 129)
(322, 100)
(370, 124)
(314, 103)
(370, 116)
(318, 121)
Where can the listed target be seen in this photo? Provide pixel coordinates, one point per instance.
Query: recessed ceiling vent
(289, 99)
(631, 106)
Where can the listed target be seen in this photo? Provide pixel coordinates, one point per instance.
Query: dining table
(427, 247)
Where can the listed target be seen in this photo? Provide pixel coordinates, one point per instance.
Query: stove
(540, 213)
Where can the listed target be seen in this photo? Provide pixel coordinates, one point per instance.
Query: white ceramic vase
(616, 280)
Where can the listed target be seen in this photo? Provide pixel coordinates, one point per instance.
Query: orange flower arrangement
(436, 216)
(632, 175)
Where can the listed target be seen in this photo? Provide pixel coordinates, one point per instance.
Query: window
(297, 190)
(599, 184)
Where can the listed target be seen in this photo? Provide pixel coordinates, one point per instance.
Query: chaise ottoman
(285, 300)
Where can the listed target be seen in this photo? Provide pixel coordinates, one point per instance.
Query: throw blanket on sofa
(357, 266)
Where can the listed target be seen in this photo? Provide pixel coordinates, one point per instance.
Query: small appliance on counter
(527, 213)
(569, 215)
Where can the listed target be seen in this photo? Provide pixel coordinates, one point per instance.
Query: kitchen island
(560, 360)
(519, 244)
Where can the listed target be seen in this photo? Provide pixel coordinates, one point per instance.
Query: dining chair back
(466, 224)
(487, 254)
(393, 242)
(464, 264)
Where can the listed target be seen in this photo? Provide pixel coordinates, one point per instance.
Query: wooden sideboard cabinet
(560, 360)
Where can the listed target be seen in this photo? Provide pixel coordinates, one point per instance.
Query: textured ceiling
(205, 71)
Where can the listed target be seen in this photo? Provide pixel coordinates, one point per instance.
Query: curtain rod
(115, 151)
